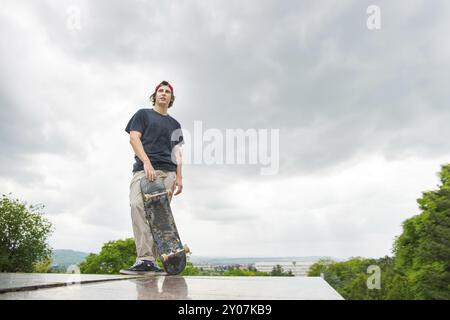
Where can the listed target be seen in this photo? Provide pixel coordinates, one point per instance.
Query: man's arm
(179, 179)
(136, 143)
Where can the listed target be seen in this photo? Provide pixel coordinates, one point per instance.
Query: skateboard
(162, 225)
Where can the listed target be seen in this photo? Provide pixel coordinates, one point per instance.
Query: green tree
(114, 255)
(420, 268)
(23, 235)
(278, 271)
(190, 270)
(43, 266)
(238, 272)
(423, 249)
(344, 277)
(350, 277)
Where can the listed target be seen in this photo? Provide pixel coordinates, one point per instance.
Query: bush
(23, 236)
(115, 255)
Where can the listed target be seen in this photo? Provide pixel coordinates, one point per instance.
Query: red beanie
(161, 84)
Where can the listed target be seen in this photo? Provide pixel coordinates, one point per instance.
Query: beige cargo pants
(145, 246)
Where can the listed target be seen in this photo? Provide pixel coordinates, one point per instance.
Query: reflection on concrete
(187, 288)
(172, 288)
(31, 281)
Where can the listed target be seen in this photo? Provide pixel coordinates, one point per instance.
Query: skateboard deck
(162, 225)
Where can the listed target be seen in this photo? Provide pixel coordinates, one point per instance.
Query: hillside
(65, 257)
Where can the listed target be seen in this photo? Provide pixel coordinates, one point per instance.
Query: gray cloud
(336, 90)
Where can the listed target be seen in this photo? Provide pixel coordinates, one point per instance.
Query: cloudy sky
(362, 115)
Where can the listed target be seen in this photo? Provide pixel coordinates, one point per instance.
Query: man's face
(163, 95)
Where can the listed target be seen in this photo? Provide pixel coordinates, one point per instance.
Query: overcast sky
(362, 116)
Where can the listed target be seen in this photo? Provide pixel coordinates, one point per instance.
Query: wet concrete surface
(31, 281)
(176, 288)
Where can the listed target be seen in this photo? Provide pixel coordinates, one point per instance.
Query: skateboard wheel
(164, 257)
(186, 249)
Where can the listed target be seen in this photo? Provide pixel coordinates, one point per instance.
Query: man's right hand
(149, 171)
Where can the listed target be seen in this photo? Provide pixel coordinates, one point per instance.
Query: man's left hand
(178, 186)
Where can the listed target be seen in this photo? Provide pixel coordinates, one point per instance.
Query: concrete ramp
(106, 287)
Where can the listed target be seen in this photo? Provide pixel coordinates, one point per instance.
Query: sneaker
(142, 267)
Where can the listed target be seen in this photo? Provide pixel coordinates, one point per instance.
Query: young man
(156, 139)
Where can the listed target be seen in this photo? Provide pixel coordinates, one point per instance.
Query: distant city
(299, 266)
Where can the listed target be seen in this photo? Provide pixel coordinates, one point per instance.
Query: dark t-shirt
(160, 133)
